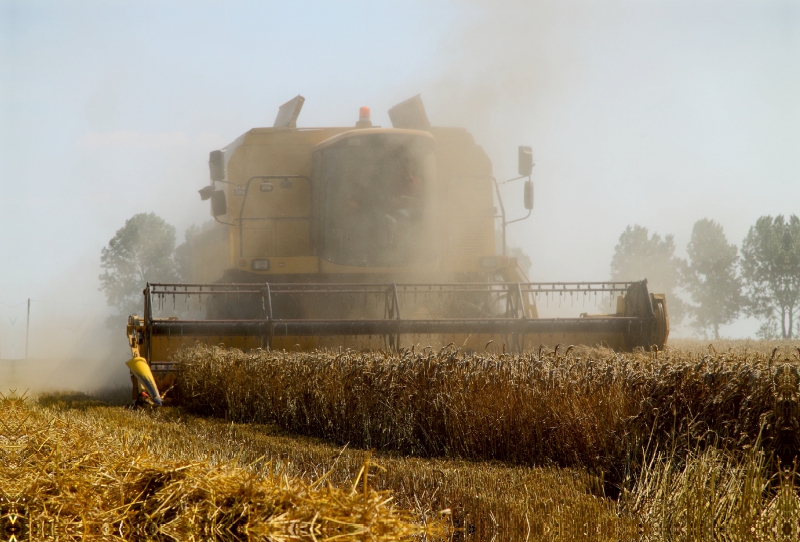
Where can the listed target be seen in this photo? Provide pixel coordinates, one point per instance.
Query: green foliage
(640, 256)
(710, 277)
(141, 251)
(768, 331)
(186, 256)
(771, 272)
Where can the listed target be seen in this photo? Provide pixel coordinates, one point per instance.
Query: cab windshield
(377, 200)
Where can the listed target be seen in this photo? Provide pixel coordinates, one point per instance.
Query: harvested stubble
(66, 478)
(489, 501)
(587, 408)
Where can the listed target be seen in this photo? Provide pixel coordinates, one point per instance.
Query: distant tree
(184, 253)
(640, 256)
(202, 251)
(768, 330)
(771, 273)
(141, 251)
(710, 277)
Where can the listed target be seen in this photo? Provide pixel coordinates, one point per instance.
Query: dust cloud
(70, 347)
(650, 113)
(505, 68)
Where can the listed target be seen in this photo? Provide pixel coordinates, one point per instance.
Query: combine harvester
(366, 237)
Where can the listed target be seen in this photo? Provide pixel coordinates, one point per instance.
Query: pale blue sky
(650, 112)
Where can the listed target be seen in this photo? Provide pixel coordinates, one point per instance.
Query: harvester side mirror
(206, 192)
(219, 204)
(528, 195)
(525, 161)
(216, 165)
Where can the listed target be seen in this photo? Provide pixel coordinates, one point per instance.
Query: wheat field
(697, 441)
(582, 407)
(694, 443)
(481, 500)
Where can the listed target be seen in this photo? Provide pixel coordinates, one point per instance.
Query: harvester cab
(366, 237)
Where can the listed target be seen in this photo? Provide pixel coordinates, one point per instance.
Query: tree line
(722, 282)
(761, 280)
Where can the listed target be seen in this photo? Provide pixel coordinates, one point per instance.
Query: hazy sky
(656, 113)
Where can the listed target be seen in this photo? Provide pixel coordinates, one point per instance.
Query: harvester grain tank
(367, 237)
